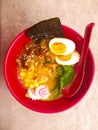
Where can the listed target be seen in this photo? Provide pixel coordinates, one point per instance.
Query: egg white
(73, 60)
(70, 45)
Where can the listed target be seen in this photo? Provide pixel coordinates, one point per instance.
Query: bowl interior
(18, 91)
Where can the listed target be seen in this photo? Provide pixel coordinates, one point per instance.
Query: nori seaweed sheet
(46, 29)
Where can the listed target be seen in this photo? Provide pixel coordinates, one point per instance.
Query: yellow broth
(36, 66)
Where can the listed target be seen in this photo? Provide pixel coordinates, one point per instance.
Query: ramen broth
(36, 66)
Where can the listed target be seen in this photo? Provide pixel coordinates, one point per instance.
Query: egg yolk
(58, 48)
(65, 57)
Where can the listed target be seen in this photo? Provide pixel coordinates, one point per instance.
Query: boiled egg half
(74, 58)
(61, 46)
(64, 49)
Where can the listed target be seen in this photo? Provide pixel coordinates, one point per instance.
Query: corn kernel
(29, 73)
(22, 74)
(36, 84)
(40, 81)
(26, 85)
(26, 80)
(31, 85)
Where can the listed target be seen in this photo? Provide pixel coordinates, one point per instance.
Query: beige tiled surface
(16, 15)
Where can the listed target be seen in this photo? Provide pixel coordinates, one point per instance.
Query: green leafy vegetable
(65, 75)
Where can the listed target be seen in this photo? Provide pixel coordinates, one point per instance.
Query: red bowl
(18, 91)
